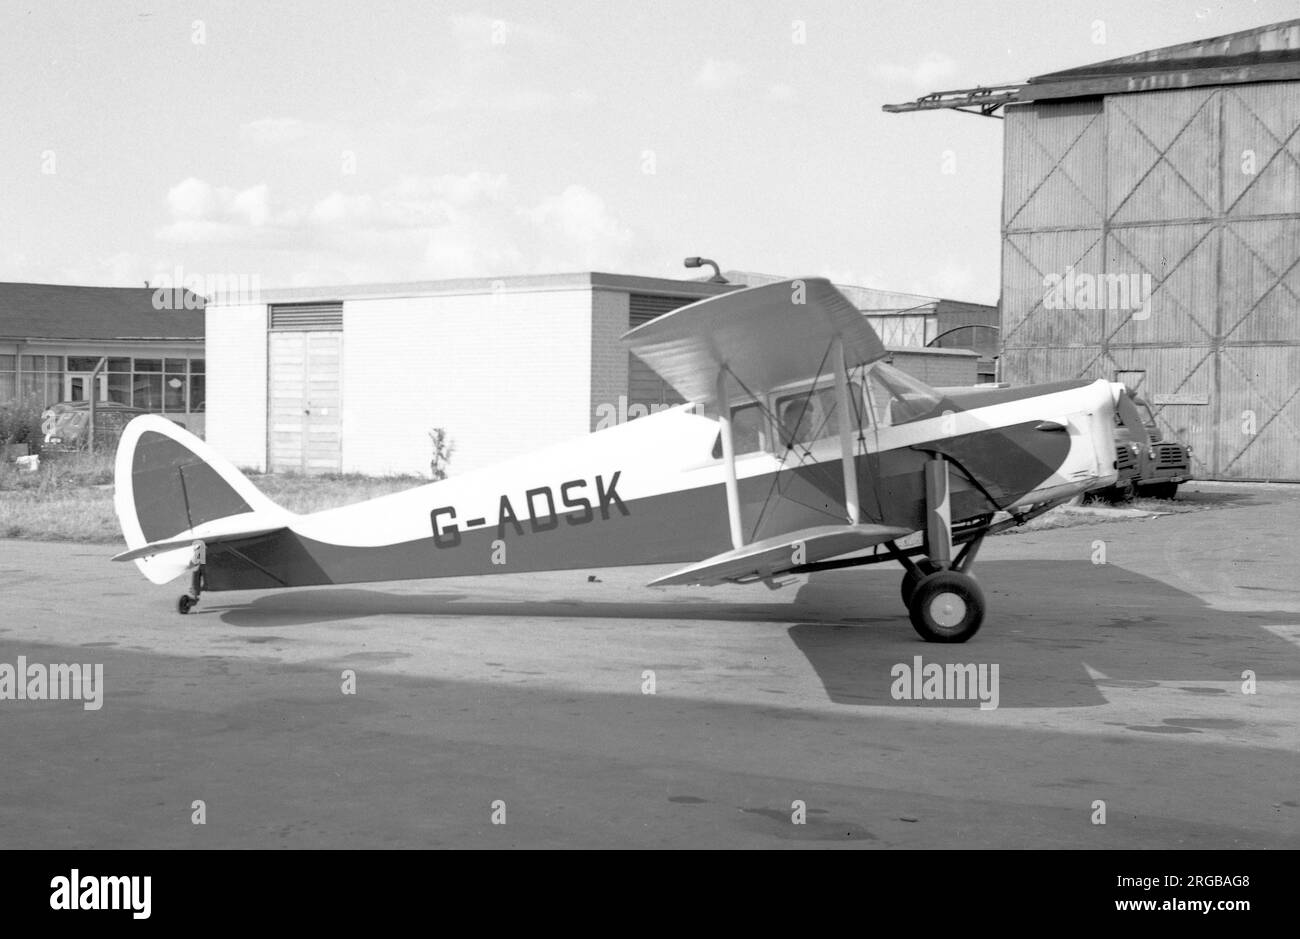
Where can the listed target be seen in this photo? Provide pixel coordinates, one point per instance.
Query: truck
(1149, 464)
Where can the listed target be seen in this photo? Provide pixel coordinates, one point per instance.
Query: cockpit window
(750, 432)
(749, 428)
(811, 415)
(898, 398)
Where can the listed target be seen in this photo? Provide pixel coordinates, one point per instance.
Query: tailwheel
(198, 581)
(910, 580)
(946, 606)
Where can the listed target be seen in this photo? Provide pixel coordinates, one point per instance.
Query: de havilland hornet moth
(799, 450)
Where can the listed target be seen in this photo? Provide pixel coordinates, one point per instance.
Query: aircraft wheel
(947, 606)
(910, 580)
(185, 604)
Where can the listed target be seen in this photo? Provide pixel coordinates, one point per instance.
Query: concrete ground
(1120, 682)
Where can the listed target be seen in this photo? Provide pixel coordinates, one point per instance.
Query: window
(146, 392)
(119, 388)
(912, 331)
(169, 385)
(8, 378)
(749, 428)
(175, 381)
(810, 415)
(174, 394)
(41, 379)
(198, 386)
(898, 398)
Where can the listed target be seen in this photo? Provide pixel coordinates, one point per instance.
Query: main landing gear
(944, 602)
(187, 601)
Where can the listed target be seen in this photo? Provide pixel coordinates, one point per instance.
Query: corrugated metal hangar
(1151, 234)
(353, 379)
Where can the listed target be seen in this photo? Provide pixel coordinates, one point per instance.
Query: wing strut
(729, 462)
(851, 504)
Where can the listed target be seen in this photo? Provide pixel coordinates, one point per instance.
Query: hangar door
(305, 377)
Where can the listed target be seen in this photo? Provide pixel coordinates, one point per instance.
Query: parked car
(66, 425)
(1148, 464)
(1166, 464)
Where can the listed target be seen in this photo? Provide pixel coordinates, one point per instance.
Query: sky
(332, 143)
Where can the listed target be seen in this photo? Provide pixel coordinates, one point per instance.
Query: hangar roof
(60, 311)
(1263, 54)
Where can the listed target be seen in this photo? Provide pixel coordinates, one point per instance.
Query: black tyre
(1161, 490)
(910, 580)
(1120, 492)
(947, 607)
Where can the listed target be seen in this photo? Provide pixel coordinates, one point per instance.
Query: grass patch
(304, 494)
(1100, 513)
(70, 498)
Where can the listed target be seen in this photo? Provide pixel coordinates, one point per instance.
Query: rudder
(168, 482)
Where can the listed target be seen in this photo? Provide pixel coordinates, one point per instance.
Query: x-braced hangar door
(305, 394)
(1179, 213)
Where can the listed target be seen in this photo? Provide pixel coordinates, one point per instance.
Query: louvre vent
(307, 317)
(643, 307)
(644, 385)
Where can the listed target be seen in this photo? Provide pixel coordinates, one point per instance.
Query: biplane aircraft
(799, 450)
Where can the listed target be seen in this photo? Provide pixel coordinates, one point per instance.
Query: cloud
(780, 92)
(578, 220)
(719, 75)
(932, 71)
(469, 225)
(202, 212)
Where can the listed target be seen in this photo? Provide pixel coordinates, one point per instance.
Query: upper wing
(764, 336)
(777, 554)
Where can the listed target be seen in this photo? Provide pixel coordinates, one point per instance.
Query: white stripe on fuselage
(672, 452)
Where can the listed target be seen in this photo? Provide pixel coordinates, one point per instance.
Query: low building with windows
(53, 338)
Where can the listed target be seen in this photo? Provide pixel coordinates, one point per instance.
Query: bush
(443, 448)
(20, 422)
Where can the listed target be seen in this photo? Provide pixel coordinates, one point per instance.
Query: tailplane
(171, 489)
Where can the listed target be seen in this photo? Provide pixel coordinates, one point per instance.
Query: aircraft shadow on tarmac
(1052, 621)
(1048, 623)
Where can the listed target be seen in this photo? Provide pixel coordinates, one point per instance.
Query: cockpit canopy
(804, 413)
